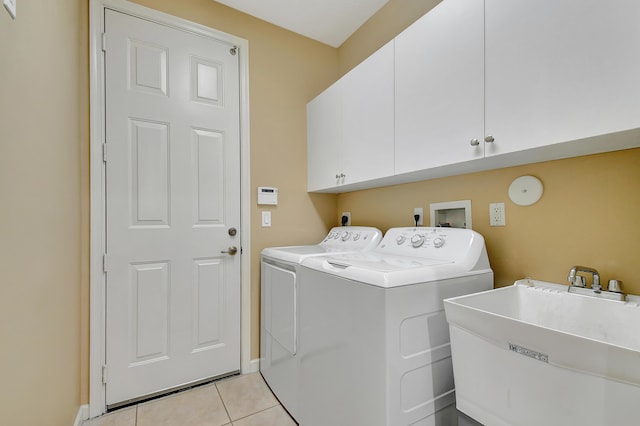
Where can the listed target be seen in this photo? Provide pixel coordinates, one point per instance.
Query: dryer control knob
(400, 239)
(417, 240)
(438, 242)
(345, 235)
(356, 237)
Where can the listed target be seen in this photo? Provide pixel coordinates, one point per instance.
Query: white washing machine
(279, 305)
(374, 340)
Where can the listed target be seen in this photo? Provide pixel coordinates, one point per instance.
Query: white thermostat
(267, 195)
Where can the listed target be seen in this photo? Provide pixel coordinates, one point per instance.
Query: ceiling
(327, 21)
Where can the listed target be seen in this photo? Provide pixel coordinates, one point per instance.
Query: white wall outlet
(10, 5)
(266, 219)
(418, 211)
(497, 214)
(348, 215)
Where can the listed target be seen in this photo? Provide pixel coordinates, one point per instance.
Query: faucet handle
(580, 281)
(615, 286)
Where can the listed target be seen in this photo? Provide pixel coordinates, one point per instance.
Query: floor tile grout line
(224, 405)
(232, 420)
(258, 412)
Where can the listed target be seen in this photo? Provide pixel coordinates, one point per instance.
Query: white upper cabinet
(439, 99)
(559, 71)
(350, 126)
(480, 85)
(324, 136)
(367, 118)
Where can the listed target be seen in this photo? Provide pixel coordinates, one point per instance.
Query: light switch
(10, 5)
(266, 219)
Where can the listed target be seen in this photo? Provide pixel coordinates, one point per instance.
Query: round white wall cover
(525, 190)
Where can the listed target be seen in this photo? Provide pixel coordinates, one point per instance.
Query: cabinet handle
(342, 175)
(474, 142)
(489, 139)
(337, 176)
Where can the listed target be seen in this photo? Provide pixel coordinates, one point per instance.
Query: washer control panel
(419, 237)
(428, 242)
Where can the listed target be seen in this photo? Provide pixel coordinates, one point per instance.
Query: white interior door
(173, 193)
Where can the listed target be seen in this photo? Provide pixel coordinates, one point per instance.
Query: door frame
(97, 298)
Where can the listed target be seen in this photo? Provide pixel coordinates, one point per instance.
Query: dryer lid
(384, 264)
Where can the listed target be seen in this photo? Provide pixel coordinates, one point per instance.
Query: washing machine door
(279, 291)
(279, 363)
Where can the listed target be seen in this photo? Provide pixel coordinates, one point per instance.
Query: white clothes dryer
(374, 340)
(279, 305)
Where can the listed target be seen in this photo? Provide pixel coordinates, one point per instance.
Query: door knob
(232, 250)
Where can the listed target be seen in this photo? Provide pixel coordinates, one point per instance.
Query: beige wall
(588, 215)
(43, 129)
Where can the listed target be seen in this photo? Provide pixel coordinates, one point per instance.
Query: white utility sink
(533, 354)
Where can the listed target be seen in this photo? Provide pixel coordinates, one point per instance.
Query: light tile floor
(238, 401)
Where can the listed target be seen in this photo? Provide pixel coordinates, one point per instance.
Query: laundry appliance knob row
(418, 240)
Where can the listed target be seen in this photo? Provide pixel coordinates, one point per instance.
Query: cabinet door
(559, 71)
(440, 87)
(367, 118)
(324, 129)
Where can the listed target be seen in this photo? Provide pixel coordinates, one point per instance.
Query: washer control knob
(417, 240)
(356, 237)
(345, 235)
(438, 242)
(400, 239)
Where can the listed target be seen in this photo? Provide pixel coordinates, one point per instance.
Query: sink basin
(533, 353)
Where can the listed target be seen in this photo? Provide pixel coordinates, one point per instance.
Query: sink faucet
(574, 279)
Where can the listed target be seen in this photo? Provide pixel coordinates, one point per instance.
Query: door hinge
(104, 152)
(104, 263)
(104, 42)
(104, 374)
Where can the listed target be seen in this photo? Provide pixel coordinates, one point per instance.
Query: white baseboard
(83, 414)
(254, 365)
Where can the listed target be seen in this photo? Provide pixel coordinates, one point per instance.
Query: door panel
(439, 90)
(367, 118)
(149, 164)
(173, 191)
(324, 138)
(560, 71)
(208, 290)
(208, 168)
(149, 296)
